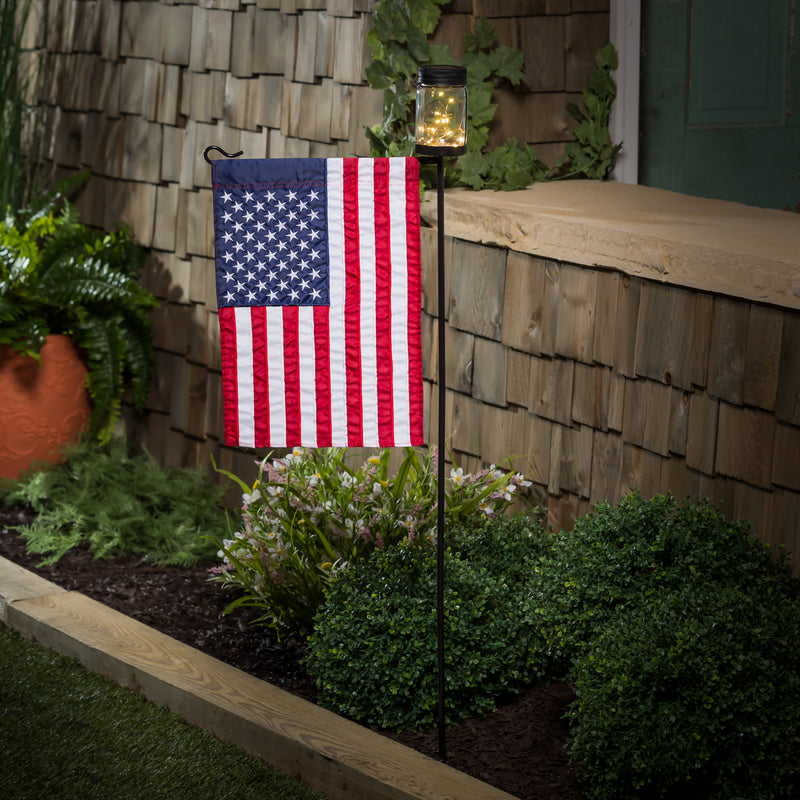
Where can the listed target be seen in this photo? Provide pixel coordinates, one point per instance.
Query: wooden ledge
(331, 754)
(711, 245)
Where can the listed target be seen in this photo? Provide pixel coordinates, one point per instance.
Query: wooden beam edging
(331, 754)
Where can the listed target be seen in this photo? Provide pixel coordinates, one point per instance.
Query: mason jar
(441, 110)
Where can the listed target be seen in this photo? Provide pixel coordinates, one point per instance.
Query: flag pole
(441, 130)
(440, 531)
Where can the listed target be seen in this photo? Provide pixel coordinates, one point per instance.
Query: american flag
(318, 288)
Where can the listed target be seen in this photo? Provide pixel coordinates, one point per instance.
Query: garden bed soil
(519, 748)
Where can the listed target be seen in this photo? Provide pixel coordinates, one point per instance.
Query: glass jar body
(441, 120)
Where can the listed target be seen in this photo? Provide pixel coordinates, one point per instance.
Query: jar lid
(442, 75)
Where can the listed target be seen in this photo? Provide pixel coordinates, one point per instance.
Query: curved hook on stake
(217, 147)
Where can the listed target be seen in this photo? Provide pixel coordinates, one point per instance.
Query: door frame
(625, 34)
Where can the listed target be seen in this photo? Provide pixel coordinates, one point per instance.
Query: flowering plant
(309, 514)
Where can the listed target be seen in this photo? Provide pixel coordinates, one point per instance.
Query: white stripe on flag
(275, 377)
(245, 389)
(308, 383)
(400, 359)
(369, 357)
(336, 282)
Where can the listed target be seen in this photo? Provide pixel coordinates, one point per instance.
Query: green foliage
(399, 43)
(592, 154)
(683, 635)
(309, 514)
(59, 276)
(618, 554)
(373, 650)
(693, 692)
(114, 503)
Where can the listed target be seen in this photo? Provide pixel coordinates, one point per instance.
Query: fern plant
(58, 276)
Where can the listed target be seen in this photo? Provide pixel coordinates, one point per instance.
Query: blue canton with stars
(271, 232)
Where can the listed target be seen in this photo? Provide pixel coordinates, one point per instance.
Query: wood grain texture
(17, 583)
(489, 372)
(332, 754)
(477, 289)
(728, 342)
(745, 444)
(701, 435)
(762, 357)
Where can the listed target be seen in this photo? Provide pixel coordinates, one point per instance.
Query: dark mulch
(518, 748)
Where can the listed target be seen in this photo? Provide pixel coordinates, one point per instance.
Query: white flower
(348, 479)
(486, 507)
(247, 499)
(457, 476)
(508, 491)
(520, 479)
(314, 479)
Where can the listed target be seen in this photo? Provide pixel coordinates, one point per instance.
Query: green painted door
(720, 100)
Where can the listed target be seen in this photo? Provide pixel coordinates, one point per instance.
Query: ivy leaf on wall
(507, 63)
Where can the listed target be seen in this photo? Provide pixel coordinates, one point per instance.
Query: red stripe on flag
(352, 303)
(258, 323)
(323, 374)
(383, 303)
(230, 391)
(291, 373)
(414, 259)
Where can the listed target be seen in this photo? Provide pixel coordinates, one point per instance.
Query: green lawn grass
(69, 734)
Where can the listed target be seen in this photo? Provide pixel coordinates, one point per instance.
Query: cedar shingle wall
(136, 90)
(595, 382)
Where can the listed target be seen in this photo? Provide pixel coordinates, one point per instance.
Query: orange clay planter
(43, 405)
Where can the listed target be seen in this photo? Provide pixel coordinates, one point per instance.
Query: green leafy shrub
(373, 651)
(60, 276)
(309, 514)
(113, 503)
(617, 555)
(693, 692)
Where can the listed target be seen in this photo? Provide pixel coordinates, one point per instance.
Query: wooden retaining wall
(609, 337)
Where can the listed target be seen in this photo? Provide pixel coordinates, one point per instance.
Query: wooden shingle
(606, 467)
(728, 343)
(701, 432)
(489, 372)
(460, 357)
(762, 357)
(518, 377)
(466, 418)
(530, 304)
(476, 289)
(537, 448)
(787, 402)
(605, 329)
(745, 444)
(551, 389)
(786, 457)
(627, 319)
(641, 470)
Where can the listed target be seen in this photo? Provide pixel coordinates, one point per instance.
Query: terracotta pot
(42, 405)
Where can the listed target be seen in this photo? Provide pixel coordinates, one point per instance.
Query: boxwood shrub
(693, 692)
(618, 555)
(373, 651)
